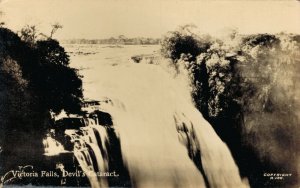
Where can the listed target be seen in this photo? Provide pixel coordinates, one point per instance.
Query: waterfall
(83, 161)
(52, 147)
(216, 161)
(164, 140)
(101, 136)
(90, 157)
(153, 147)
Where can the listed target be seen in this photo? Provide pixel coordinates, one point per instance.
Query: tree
(181, 42)
(35, 79)
(59, 85)
(23, 119)
(55, 27)
(187, 29)
(122, 39)
(29, 34)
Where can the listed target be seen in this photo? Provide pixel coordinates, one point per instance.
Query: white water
(87, 166)
(52, 147)
(145, 100)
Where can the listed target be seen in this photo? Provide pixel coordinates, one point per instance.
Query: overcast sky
(106, 18)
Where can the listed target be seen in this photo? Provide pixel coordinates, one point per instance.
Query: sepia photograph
(150, 93)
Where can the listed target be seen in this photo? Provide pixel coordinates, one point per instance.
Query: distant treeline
(120, 40)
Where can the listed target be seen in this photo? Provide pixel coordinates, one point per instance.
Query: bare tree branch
(55, 27)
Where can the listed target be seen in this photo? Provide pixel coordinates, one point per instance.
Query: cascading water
(164, 140)
(89, 155)
(52, 147)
